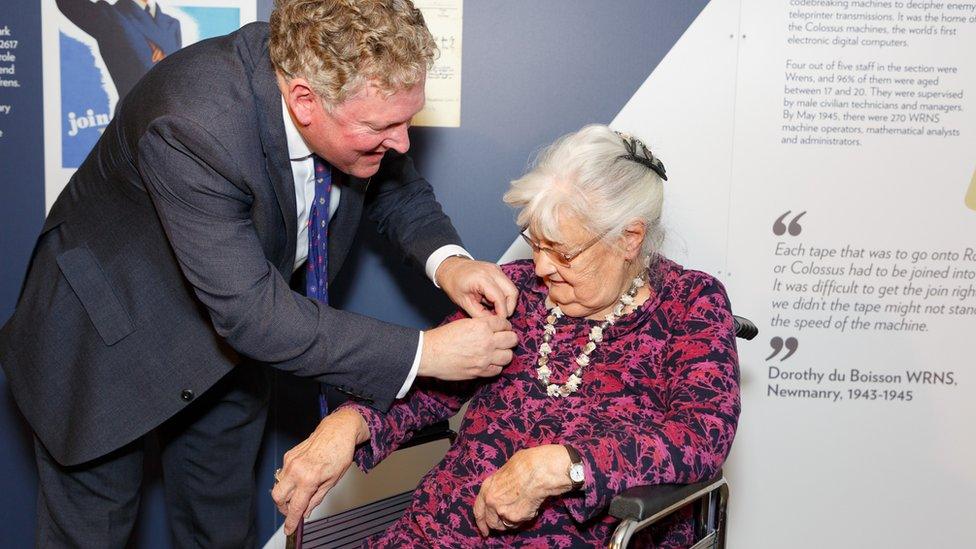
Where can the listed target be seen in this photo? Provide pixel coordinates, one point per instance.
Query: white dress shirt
(303, 171)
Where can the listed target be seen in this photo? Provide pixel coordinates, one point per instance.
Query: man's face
(355, 135)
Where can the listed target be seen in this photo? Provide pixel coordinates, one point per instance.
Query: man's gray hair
(582, 176)
(339, 45)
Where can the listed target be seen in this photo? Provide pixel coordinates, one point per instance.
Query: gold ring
(277, 473)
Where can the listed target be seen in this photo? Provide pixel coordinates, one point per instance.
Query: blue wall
(531, 72)
(21, 216)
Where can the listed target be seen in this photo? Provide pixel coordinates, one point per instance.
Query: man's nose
(399, 139)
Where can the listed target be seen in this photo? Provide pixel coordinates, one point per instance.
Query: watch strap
(574, 459)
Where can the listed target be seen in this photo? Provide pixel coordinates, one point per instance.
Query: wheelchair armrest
(431, 433)
(744, 328)
(644, 502)
(355, 525)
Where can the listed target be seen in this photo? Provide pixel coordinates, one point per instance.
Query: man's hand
(512, 494)
(313, 467)
(467, 348)
(477, 287)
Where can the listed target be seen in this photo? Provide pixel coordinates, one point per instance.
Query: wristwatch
(576, 470)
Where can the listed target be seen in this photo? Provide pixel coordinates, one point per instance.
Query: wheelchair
(637, 508)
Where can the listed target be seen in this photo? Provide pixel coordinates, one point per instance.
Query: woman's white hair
(583, 176)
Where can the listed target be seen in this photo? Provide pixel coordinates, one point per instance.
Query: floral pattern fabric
(658, 404)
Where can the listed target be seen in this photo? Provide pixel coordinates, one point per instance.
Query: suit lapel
(275, 145)
(168, 31)
(345, 222)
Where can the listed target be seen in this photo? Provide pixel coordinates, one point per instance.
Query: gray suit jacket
(164, 263)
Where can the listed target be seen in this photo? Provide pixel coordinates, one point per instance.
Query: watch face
(576, 472)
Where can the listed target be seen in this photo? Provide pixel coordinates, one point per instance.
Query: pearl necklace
(583, 359)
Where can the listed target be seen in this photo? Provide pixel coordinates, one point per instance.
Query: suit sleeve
(402, 205)
(86, 15)
(692, 441)
(178, 31)
(204, 207)
(429, 401)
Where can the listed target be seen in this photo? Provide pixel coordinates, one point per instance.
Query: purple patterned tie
(317, 277)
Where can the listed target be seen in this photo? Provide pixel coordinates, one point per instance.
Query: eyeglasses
(564, 259)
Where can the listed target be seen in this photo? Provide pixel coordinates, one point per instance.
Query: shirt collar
(150, 3)
(297, 148)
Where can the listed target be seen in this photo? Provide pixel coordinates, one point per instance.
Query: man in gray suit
(159, 282)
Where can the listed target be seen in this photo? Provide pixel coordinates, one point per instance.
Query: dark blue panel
(531, 71)
(21, 215)
(21, 148)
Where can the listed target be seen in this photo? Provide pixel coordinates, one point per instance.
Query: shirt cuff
(407, 383)
(438, 257)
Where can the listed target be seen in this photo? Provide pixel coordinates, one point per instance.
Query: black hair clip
(638, 152)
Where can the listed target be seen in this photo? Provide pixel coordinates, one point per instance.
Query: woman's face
(594, 280)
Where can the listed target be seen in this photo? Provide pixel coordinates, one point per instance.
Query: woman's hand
(313, 467)
(513, 493)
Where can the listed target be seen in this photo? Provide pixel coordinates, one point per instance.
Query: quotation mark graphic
(794, 228)
(777, 344)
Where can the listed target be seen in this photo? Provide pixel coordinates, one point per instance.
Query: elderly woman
(625, 373)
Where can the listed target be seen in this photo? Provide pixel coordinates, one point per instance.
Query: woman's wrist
(353, 421)
(557, 464)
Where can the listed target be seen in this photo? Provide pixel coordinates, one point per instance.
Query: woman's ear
(633, 238)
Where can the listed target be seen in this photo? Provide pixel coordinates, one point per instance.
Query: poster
(443, 89)
(95, 51)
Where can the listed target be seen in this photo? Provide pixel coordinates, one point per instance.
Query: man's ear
(301, 100)
(633, 236)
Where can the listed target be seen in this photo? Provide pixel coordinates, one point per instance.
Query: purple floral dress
(658, 404)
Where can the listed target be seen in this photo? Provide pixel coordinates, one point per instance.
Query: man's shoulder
(247, 46)
(254, 36)
(211, 82)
